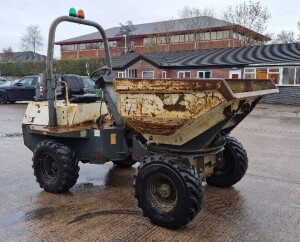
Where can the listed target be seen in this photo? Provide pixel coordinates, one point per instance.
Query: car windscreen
(88, 82)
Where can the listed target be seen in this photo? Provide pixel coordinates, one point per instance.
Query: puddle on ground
(10, 135)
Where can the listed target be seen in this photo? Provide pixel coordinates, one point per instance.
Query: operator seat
(76, 91)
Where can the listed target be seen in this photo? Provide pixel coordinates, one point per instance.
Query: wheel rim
(224, 166)
(48, 166)
(162, 193)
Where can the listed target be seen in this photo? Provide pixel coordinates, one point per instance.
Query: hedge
(64, 66)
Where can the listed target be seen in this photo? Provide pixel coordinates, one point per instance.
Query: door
(24, 89)
(261, 74)
(235, 74)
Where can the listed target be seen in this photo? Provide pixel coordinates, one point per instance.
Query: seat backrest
(75, 84)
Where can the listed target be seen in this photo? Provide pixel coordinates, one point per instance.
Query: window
(226, 34)
(288, 75)
(204, 74)
(206, 36)
(112, 43)
(297, 81)
(273, 74)
(82, 46)
(222, 34)
(261, 73)
(235, 74)
(164, 75)
(131, 73)
(28, 81)
(184, 74)
(148, 74)
(249, 73)
(200, 36)
(96, 45)
(279, 75)
(161, 40)
(203, 36)
(68, 47)
(175, 38)
(128, 73)
(213, 35)
(238, 36)
(189, 37)
(181, 38)
(121, 74)
(149, 41)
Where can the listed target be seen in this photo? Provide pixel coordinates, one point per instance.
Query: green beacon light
(72, 12)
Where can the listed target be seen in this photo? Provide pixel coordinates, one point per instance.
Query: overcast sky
(16, 15)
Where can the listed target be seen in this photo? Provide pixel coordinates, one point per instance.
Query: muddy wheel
(233, 167)
(168, 191)
(124, 163)
(55, 166)
(3, 98)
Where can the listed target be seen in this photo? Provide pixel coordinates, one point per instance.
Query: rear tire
(168, 191)
(3, 98)
(233, 167)
(55, 166)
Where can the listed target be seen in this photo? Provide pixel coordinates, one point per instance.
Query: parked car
(89, 84)
(22, 90)
(2, 81)
(76, 86)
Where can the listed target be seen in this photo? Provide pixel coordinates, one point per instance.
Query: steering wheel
(105, 71)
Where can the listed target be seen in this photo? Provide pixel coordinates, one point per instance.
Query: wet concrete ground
(263, 206)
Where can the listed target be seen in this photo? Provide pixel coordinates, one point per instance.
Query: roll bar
(49, 61)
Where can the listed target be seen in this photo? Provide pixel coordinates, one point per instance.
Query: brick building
(279, 62)
(163, 36)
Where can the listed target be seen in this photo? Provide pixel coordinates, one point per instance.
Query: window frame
(249, 71)
(253, 70)
(148, 72)
(121, 74)
(204, 71)
(184, 76)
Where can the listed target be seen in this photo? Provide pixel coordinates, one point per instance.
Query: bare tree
(32, 39)
(284, 37)
(126, 31)
(197, 21)
(7, 54)
(252, 16)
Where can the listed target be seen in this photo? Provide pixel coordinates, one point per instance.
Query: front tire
(55, 166)
(233, 166)
(3, 98)
(168, 191)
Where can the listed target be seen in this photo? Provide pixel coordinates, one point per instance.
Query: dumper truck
(178, 130)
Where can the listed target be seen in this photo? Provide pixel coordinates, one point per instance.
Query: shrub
(64, 66)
